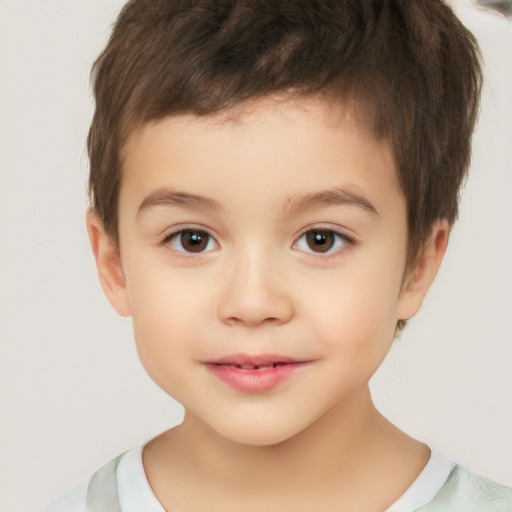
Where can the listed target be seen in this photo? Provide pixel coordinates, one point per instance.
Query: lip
(255, 374)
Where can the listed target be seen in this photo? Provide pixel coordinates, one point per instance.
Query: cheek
(358, 318)
(166, 309)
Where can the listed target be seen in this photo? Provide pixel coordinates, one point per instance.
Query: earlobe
(423, 272)
(108, 264)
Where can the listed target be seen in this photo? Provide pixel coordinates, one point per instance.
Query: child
(273, 185)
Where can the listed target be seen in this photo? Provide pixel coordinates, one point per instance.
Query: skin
(316, 441)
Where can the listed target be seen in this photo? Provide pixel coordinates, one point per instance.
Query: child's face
(292, 250)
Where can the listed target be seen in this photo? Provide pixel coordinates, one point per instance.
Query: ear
(108, 263)
(422, 274)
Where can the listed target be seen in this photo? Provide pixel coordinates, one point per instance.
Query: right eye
(193, 241)
(322, 241)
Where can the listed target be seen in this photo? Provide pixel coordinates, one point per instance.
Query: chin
(257, 433)
(257, 438)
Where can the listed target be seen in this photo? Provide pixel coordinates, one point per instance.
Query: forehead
(305, 140)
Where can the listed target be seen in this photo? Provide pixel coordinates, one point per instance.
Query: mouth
(255, 374)
(252, 366)
(256, 361)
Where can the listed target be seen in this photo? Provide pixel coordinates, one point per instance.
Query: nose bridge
(255, 289)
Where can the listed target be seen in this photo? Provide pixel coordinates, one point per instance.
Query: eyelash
(346, 241)
(176, 234)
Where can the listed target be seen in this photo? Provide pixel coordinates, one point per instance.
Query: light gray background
(72, 392)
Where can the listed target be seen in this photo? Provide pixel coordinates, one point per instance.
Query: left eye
(320, 241)
(191, 241)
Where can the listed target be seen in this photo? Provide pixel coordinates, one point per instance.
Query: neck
(343, 451)
(339, 435)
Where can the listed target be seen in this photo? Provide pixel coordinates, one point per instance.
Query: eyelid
(177, 230)
(349, 241)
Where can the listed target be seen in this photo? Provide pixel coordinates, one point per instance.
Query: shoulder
(465, 491)
(73, 500)
(92, 493)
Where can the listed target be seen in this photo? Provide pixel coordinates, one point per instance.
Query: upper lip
(247, 361)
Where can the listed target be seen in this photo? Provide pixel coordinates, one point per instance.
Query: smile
(253, 366)
(254, 374)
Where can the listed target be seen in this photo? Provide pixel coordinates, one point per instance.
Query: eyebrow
(169, 197)
(329, 197)
(172, 197)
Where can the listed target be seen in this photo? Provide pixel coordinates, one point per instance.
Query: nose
(255, 293)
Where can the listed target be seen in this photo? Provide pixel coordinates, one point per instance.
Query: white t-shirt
(442, 486)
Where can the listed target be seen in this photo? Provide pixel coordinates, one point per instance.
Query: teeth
(253, 366)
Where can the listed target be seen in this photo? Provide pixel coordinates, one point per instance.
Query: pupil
(194, 241)
(320, 241)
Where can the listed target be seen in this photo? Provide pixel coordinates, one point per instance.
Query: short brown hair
(410, 68)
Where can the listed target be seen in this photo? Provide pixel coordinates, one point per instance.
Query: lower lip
(255, 381)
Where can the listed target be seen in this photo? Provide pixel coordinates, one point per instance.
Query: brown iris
(194, 241)
(320, 241)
